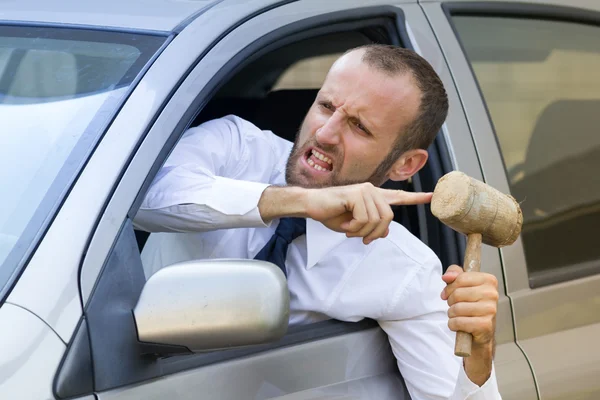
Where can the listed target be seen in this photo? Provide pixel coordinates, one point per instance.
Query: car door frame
(543, 317)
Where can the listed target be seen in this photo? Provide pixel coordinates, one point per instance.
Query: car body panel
(159, 15)
(562, 369)
(590, 4)
(362, 358)
(515, 379)
(31, 353)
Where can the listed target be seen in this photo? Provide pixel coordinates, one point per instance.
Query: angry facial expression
(352, 126)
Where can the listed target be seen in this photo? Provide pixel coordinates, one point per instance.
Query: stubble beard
(294, 176)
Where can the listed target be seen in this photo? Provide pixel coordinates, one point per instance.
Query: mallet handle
(472, 263)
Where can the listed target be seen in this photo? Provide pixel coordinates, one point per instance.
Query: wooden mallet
(483, 214)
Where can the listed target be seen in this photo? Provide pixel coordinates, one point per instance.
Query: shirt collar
(320, 240)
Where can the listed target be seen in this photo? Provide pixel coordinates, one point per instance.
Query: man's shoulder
(248, 152)
(240, 129)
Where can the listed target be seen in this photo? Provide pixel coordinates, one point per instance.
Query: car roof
(154, 15)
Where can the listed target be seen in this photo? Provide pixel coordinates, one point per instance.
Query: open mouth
(319, 161)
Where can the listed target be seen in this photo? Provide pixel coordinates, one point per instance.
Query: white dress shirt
(214, 179)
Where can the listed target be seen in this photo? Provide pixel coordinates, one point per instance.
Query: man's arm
(360, 210)
(218, 177)
(421, 335)
(473, 301)
(213, 179)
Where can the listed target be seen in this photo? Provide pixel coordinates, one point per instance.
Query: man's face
(352, 125)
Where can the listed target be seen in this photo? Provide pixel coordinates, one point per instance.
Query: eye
(327, 105)
(362, 128)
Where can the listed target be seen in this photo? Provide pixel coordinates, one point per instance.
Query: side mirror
(212, 304)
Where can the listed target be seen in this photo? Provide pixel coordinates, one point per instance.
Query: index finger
(400, 197)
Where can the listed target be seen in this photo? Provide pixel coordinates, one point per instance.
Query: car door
(328, 359)
(528, 75)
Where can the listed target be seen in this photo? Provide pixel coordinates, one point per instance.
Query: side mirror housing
(212, 304)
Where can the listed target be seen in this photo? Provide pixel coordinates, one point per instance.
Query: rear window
(541, 82)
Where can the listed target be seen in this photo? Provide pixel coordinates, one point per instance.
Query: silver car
(94, 95)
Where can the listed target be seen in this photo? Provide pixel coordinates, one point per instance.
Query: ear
(408, 164)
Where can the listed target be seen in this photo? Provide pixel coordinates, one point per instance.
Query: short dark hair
(433, 110)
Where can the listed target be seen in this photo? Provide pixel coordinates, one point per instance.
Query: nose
(329, 133)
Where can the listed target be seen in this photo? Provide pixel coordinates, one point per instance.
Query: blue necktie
(276, 248)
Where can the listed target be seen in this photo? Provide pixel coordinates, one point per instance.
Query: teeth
(315, 166)
(321, 156)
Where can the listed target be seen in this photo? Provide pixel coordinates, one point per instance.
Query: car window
(248, 88)
(307, 74)
(58, 87)
(541, 82)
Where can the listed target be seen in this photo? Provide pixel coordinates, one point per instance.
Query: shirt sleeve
(424, 345)
(465, 389)
(212, 180)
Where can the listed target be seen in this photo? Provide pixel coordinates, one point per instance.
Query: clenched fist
(473, 301)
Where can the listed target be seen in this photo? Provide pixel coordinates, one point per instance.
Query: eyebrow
(322, 97)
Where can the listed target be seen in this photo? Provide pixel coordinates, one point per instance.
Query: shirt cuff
(467, 390)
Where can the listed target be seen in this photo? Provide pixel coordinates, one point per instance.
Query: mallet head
(470, 206)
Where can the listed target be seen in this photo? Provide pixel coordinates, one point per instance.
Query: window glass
(541, 82)
(58, 87)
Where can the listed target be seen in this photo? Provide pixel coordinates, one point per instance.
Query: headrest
(565, 129)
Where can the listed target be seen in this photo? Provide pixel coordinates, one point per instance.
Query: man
(228, 187)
